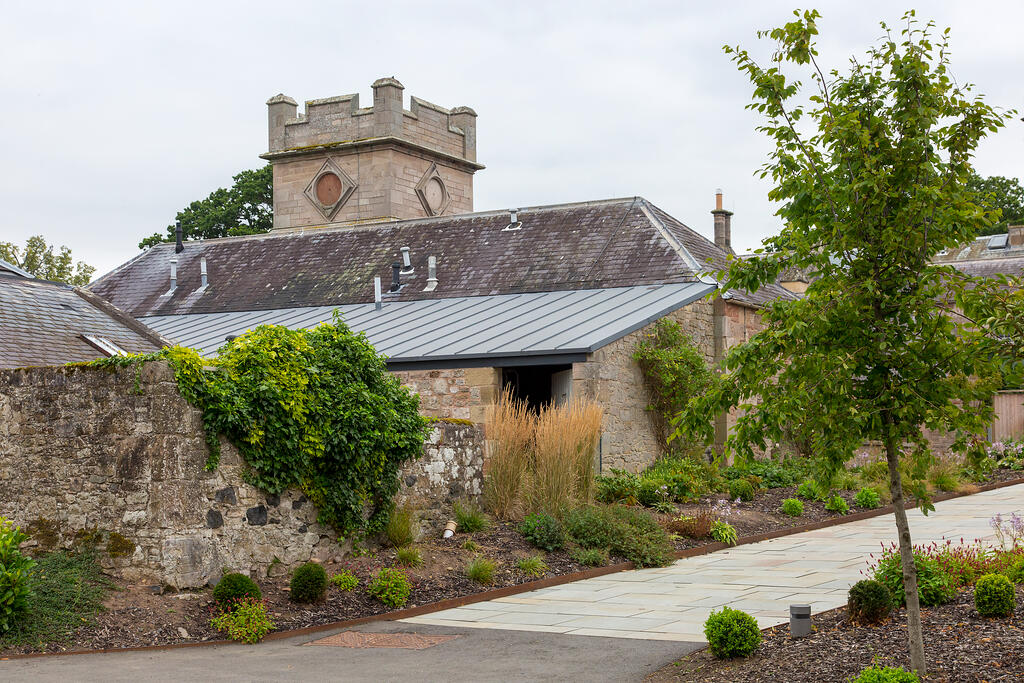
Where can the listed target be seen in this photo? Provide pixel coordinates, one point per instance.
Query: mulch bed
(136, 616)
(959, 646)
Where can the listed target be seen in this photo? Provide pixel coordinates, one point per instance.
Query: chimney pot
(407, 268)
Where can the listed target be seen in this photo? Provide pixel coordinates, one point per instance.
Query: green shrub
(619, 486)
(481, 570)
(591, 526)
(345, 580)
(309, 583)
(994, 596)
(233, 587)
(837, 504)
(532, 566)
(684, 476)
(1015, 572)
(639, 538)
(390, 586)
(591, 557)
(867, 498)
(741, 489)
(469, 517)
(773, 474)
(793, 507)
(723, 532)
(652, 492)
(886, 674)
(810, 490)
(732, 633)
(15, 570)
(869, 601)
(400, 529)
(409, 557)
(247, 621)
(470, 545)
(543, 531)
(934, 586)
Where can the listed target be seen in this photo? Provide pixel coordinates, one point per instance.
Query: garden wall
(115, 458)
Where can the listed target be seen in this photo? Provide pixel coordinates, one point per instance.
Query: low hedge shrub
(867, 498)
(934, 585)
(793, 507)
(732, 633)
(235, 586)
(994, 596)
(390, 586)
(741, 489)
(15, 569)
(247, 621)
(309, 583)
(869, 601)
(886, 674)
(543, 531)
(837, 504)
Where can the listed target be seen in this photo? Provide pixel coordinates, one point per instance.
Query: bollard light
(799, 621)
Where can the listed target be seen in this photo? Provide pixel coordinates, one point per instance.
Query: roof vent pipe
(202, 273)
(406, 263)
(178, 246)
(431, 274)
(514, 222)
(396, 277)
(377, 299)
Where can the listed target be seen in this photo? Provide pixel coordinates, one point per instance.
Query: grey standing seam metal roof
(497, 326)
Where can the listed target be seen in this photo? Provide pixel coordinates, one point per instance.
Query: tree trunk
(914, 635)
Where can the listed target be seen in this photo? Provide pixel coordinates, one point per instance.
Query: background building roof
(46, 323)
(591, 245)
(463, 329)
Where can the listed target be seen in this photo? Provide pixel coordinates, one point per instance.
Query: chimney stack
(723, 225)
(1015, 235)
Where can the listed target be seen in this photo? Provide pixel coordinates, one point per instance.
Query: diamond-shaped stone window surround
(433, 192)
(329, 189)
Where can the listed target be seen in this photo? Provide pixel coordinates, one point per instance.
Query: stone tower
(341, 164)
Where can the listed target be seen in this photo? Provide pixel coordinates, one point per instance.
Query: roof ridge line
(676, 245)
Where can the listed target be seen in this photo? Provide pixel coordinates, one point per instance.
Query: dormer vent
(174, 277)
(407, 268)
(513, 220)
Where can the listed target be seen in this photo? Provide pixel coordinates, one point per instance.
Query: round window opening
(434, 192)
(328, 189)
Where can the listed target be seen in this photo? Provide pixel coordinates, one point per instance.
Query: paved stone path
(672, 603)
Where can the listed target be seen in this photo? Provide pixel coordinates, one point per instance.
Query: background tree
(872, 171)
(1005, 194)
(38, 258)
(246, 208)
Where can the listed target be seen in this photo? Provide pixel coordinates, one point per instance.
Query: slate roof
(591, 245)
(985, 256)
(42, 323)
(461, 328)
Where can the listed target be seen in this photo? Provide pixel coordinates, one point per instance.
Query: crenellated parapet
(338, 162)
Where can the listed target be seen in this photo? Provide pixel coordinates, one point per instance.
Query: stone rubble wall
(457, 393)
(106, 455)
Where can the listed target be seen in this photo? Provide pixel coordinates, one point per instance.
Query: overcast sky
(119, 114)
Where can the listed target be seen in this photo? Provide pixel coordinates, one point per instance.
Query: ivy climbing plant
(313, 409)
(674, 372)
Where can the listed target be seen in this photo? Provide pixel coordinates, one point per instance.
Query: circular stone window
(328, 189)
(434, 193)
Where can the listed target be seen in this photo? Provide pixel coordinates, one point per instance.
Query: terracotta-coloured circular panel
(328, 189)
(434, 192)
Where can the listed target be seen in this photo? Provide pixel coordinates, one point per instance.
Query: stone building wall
(459, 393)
(611, 377)
(83, 453)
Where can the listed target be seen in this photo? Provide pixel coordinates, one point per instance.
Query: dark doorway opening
(538, 385)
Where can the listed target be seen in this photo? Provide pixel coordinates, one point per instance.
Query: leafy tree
(872, 170)
(1004, 194)
(246, 208)
(38, 258)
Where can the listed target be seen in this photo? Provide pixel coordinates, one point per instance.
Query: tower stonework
(338, 163)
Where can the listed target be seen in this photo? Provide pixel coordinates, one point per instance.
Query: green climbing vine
(312, 409)
(674, 372)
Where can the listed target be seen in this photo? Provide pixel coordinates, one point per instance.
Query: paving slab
(671, 603)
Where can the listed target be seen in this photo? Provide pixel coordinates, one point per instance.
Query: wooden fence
(1009, 420)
